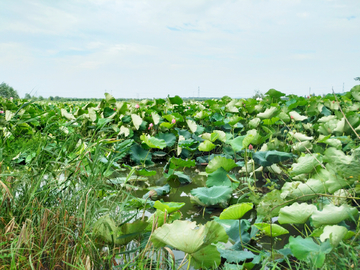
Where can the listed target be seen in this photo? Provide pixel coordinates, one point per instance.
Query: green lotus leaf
(192, 125)
(335, 233)
(206, 258)
(332, 215)
(307, 250)
(180, 163)
(300, 137)
(230, 107)
(105, 230)
(130, 231)
(64, 113)
(109, 98)
(206, 146)
(296, 213)
(218, 162)
(268, 158)
(253, 123)
(178, 178)
(302, 146)
(236, 256)
(333, 181)
(155, 117)
(296, 116)
(222, 135)
(270, 204)
(159, 217)
(169, 207)
(345, 166)
(192, 239)
(212, 196)
(274, 94)
(236, 211)
(160, 191)
(166, 125)
(355, 92)
(233, 120)
(271, 230)
(218, 178)
(153, 142)
(237, 143)
(137, 120)
(306, 164)
(269, 113)
(169, 138)
(139, 155)
(296, 189)
(176, 100)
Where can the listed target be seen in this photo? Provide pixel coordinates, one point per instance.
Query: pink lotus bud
(333, 101)
(1, 111)
(114, 109)
(173, 121)
(292, 117)
(137, 106)
(151, 125)
(251, 147)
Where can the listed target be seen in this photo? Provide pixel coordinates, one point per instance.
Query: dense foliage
(282, 182)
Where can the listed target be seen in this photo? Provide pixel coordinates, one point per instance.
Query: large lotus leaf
(137, 120)
(305, 164)
(169, 138)
(346, 166)
(159, 217)
(270, 204)
(218, 178)
(267, 158)
(296, 116)
(192, 125)
(178, 178)
(237, 143)
(214, 233)
(230, 107)
(233, 120)
(179, 162)
(271, 230)
(296, 213)
(64, 113)
(236, 256)
(332, 215)
(331, 142)
(297, 189)
(253, 123)
(328, 127)
(222, 135)
(124, 131)
(333, 181)
(206, 258)
(155, 192)
(335, 233)
(153, 142)
(302, 146)
(155, 117)
(169, 207)
(130, 231)
(269, 113)
(300, 137)
(212, 196)
(275, 94)
(231, 227)
(109, 98)
(139, 155)
(218, 162)
(340, 126)
(325, 119)
(206, 146)
(176, 100)
(355, 92)
(236, 211)
(307, 250)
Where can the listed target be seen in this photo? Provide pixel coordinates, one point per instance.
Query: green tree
(27, 96)
(7, 91)
(357, 79)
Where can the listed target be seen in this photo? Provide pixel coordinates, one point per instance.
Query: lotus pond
(226, 183)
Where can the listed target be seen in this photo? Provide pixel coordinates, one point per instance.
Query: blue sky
(155, 48)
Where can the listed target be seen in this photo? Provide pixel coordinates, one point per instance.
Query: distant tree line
(7, 91)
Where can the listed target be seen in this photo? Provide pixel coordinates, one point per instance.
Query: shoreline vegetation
(277, 187)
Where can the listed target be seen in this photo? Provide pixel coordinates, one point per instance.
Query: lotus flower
(137, 106)
(173, 121)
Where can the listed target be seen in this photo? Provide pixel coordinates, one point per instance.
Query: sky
(190, 48)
